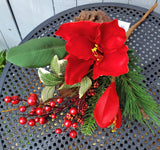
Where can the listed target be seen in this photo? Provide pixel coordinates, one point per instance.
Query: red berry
(52, 103)
(22, 109)
(33, 95)
(67, 123)
(73, 111)
(36, 119)
(33, 109)
(15, 97)
(39, 111)
(47, 108)
(53, 116)
(31, 100)
(75, 125)
(31, 113)
(58, 131)
(7, 99)
(31, 122)
(22, 120)
(14, 102)
(42, 120)
(59, 100)
(73, 134)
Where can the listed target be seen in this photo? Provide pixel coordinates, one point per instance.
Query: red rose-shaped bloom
(88, 43)
(107, 110)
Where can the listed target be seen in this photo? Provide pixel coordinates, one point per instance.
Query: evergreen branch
(133, 95)
(89, 122)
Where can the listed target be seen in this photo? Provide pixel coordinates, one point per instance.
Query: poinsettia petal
(111, 36)
(107, 106)
(81, 28)
(113, 64)
(76, 69)
(81, 47)
(118, 119)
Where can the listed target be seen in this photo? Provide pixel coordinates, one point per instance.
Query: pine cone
(95, 16)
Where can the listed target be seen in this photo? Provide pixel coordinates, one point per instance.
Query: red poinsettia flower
(88, 43)
(107, 110)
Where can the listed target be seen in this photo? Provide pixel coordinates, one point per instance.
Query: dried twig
(132, 28)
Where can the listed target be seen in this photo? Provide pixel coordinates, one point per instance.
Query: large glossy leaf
(36, 52)
(48, 78)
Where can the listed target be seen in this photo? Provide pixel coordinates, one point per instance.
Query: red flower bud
(107, 109)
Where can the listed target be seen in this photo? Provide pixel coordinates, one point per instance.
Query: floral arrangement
(96, 75)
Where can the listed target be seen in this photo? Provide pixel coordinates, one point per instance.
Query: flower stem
(113, 79)
(132, 28)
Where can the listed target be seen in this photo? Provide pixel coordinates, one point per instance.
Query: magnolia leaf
(66, 86)
(47, 92)
(36, 52)
(48, 78)
(85, 84)
(58, 66)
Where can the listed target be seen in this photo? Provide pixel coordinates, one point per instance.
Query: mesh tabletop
(22, 81)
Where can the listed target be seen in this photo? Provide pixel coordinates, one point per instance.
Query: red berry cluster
(39, 112)
(70, 123)
(14, 99)
(91, 91)
(74, 116)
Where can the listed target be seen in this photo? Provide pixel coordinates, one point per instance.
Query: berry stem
(10, 110)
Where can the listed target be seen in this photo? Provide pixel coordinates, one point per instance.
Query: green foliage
(36, 52)
(2, 60)
(134, 96)
(58, 66)
(49, 78)
(47, 92)
(66, 86)
(89, 121)
(84, 86)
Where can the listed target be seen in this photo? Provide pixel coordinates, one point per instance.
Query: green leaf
(84, 86)
(48, 78)
(2, 60)
(66, 86)
(47, 92)
(58, 66)
(36, 52)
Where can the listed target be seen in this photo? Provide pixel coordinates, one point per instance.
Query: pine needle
(134, 96)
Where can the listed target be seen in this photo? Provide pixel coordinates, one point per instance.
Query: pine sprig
(89, 122)
(2, 60)
(134, 96)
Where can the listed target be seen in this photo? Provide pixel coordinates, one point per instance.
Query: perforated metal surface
(22, 81)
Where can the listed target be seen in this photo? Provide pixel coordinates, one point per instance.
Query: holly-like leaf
(48, 78)
(85, 84)
(66, 86)
(47, 92)
(37, 52)
(58, 66)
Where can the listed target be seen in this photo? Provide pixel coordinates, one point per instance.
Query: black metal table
(22, 81)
